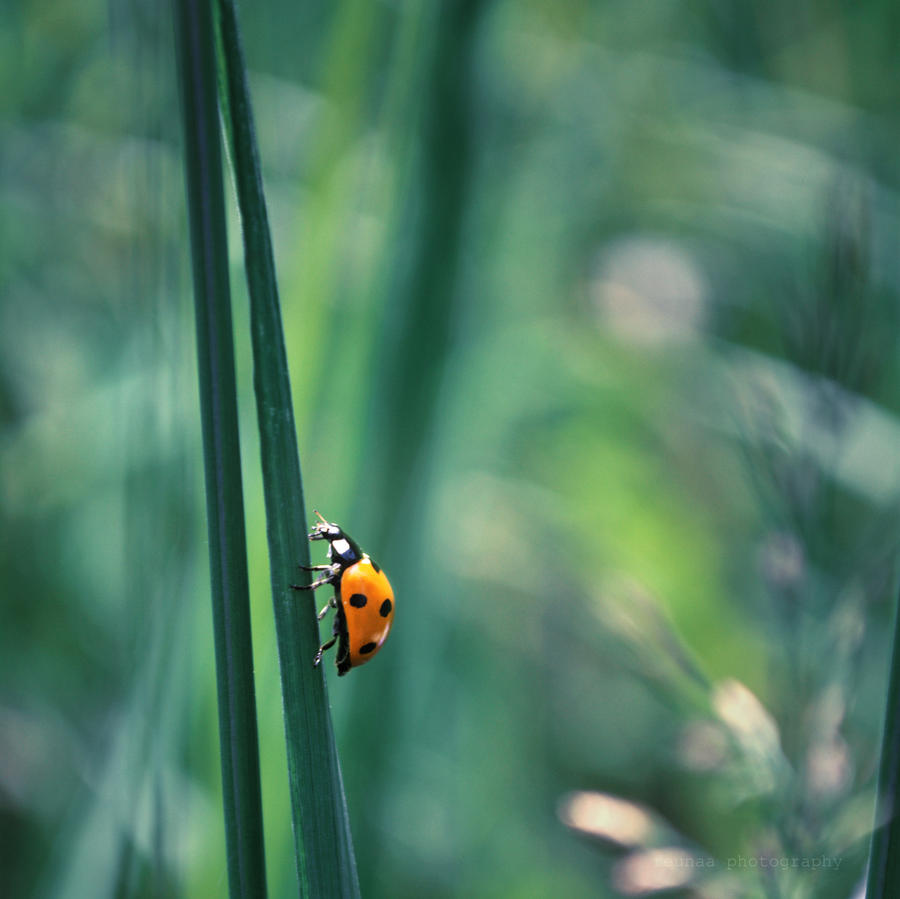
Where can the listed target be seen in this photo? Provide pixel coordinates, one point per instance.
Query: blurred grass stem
(884, 858)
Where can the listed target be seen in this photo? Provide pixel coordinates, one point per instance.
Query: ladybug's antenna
(316, 513)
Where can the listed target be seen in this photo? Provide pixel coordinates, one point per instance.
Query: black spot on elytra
(358, 600)
(366, 648)
(386, 607)
(375, 565)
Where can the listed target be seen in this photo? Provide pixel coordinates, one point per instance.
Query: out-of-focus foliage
(593, 308)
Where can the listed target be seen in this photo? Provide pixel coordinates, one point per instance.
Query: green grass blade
(884, 858)
(218, 404)
(324, 852)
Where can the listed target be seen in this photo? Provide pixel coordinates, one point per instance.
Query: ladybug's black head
(325, 530)
(342, 549)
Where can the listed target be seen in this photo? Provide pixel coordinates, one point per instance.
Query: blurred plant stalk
(884, 858)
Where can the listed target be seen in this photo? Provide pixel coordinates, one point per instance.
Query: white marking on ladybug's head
(341, 547)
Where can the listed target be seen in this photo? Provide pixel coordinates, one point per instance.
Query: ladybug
(363, 599)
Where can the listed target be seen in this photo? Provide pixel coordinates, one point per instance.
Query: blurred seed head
(702, 746)
(828, 768)
(782, 560)
(792, 446)
(828, 762)
(830, 708)
(847, 626)
(749, 722)
(648, 291)
(653, 870)
(607, 818)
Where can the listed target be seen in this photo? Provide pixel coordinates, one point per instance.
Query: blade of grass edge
(224, 499)
(326, 865)
(883, 881)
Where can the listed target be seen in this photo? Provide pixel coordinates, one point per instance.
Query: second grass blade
(324, 852)
(218, 406)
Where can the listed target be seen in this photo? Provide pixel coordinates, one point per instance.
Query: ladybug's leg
(322, 649)
(314, 567)
(331, 604)
(343, 661)
(325, 579)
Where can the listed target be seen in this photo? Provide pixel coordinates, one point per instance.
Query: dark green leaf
(324, 852)
(218, 403)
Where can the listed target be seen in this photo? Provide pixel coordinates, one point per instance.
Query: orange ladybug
(363, 599)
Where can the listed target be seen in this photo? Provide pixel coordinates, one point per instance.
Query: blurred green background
(591, 310)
